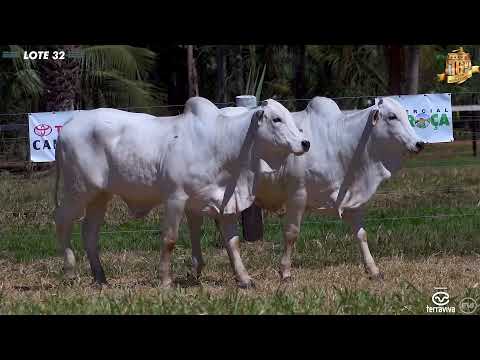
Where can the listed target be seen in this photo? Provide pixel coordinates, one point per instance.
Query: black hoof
(247, 284)
(377, 277)
(100, 281)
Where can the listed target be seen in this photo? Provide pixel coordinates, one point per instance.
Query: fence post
(252, 219)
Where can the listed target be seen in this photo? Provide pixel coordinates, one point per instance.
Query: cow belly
(138, 209)
(136, 192)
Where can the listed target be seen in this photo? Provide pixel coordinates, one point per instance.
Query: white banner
(44, 129)
(430, 115)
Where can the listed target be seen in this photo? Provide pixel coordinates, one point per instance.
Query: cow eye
(392, 117)
(276, 120)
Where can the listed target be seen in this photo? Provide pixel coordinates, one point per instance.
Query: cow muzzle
(305, 145)
(419, 146)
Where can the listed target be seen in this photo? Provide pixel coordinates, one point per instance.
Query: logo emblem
(441, 298)
(422, 121)
(42, 130)
(458, 67)
(468, 305)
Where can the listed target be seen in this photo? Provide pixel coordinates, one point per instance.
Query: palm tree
(100, 75)
(118, 76)
(60, 78)
(20, 84)
(105, 75)
(347, 70)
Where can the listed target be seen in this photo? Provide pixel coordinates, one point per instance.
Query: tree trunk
(412, 70)
(192, 73)
(220, 59)
(177, 74)
(240, 79)
(395, 66)
(61, 80)
(300, 87)
(62, 84)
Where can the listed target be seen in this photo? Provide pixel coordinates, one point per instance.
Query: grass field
(424, 232)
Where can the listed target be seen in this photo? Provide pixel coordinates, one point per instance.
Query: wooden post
(252, 218)
(473, 127)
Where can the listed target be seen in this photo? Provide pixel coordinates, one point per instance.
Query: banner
(43, 130)
(430, 115)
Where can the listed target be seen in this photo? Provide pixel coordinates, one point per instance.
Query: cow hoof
(69, 274)
(166, 284)
(101, 280)
(100, 285)
(247, 284)
(285, 275)
(380, 277)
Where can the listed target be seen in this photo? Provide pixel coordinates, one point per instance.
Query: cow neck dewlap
(361, 171)
(234, 139)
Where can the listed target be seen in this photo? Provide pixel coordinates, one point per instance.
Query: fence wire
(279, 224)
(462, 119)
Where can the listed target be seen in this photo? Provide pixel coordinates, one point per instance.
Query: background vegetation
(143, 75)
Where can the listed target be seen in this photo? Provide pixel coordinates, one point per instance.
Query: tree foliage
(135, 76)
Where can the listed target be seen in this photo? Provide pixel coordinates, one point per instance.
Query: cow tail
(58, 158)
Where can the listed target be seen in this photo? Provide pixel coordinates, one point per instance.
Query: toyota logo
(42, 130)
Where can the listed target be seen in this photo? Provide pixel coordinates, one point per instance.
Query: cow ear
(259, 114)
(375, 116)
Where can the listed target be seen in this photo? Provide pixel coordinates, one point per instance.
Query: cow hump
(324, 107)
(200, 107)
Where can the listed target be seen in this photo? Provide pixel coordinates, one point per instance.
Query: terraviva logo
(423, 119)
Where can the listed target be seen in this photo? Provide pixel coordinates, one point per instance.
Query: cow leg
(173, 212)
(195, 227)
(94, 219)
(291, 230)
(355, 220)
(231, 241)
(64, 218)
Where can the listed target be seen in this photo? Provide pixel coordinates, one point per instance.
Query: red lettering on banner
(58, 127)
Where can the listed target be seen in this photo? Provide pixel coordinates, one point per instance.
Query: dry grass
(39, 287)
(416, 254)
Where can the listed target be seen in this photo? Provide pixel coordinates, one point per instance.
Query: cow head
(277, 132)
(392, 130)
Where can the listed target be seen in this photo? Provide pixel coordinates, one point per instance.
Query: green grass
(423, 229)
(232, 303)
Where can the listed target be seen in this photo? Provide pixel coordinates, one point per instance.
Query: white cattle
(202, 161)
(350, 157)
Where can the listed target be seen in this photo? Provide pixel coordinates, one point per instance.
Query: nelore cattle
(351, 155)
(202, 161)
